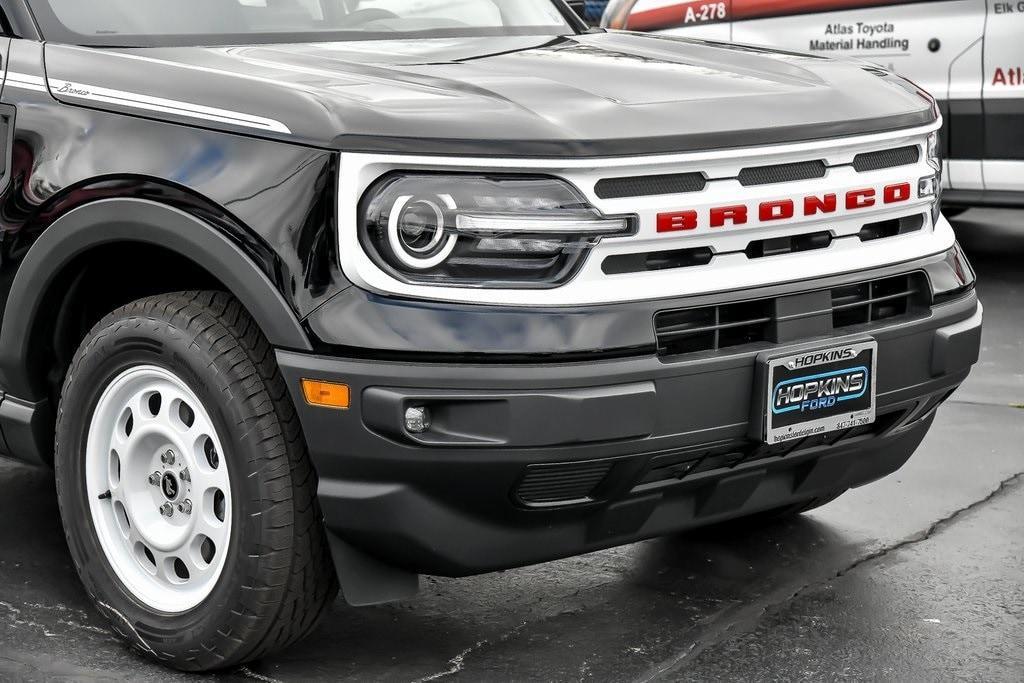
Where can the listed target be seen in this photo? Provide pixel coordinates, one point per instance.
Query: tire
(236, 448)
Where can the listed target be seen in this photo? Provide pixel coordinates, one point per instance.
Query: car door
(1003, 97)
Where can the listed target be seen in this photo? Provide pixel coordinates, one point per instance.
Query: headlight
(482, 231)
(931, 185)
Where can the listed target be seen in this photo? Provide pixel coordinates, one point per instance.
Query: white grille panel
(730, 269)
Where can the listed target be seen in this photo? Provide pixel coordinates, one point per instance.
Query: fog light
(417, 420)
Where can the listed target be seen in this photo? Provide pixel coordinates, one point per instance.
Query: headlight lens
(482, 231)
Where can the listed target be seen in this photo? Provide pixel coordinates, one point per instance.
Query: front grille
(782, 173)
(886, 158)
(561, 484)
(650, 185)
(757, 321)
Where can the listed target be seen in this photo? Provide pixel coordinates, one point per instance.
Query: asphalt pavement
(917, 577)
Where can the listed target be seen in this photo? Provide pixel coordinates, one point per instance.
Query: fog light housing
(417, 419)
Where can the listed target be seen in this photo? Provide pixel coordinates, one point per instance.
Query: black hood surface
(595, 94)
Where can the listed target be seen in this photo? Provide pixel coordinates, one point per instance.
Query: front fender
(138, 221)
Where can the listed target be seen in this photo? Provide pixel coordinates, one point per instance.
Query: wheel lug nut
(185, 507)
(154, 479)
(167, 458)
(185, 476)
(166, 510)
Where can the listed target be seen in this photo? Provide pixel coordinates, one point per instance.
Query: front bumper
(531, 462)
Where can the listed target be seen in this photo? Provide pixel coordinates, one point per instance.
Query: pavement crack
(457, 663)
(746, 618)
(249, 673)
(932, 529)
(14, 618)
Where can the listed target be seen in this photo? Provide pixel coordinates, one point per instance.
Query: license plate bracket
(815, 390)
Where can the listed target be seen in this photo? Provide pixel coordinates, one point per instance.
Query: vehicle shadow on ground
(604, 610)
(620, 612)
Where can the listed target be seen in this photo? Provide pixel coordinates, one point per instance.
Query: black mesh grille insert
(649, 185)
(710, 328)
(782, 173)
(561, 484)
(886, 158)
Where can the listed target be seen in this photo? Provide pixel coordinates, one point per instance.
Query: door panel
(1004, 96)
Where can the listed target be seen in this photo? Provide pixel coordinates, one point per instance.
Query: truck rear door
(1003, 94)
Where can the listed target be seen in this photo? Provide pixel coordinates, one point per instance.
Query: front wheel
(187, 495)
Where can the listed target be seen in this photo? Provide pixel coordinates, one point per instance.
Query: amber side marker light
(326, 394)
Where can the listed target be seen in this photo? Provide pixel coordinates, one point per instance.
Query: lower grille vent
(710, 328)
(562, 484)
(714, 327)
(870, 302)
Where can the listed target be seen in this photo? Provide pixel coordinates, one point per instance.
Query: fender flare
(115, 220)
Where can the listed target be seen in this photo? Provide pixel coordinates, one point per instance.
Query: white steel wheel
(158, 489)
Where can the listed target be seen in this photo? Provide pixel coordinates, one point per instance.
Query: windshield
(151, 23)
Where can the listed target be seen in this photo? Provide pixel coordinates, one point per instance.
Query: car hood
(587, 95)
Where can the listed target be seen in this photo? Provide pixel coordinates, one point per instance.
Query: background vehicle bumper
(528, 463)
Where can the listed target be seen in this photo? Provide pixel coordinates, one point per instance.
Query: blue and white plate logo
(818, 392)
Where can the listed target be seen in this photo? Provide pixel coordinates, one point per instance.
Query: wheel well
(96, 283)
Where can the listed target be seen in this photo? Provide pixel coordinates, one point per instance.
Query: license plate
(820, 391)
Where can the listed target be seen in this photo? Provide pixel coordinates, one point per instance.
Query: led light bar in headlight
(482, 230)
(522, 223)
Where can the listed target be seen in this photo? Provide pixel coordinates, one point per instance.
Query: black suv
(306, 293)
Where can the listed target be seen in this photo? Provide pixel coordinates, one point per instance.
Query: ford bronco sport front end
(367, 289)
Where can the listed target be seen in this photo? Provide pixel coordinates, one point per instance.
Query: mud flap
(366, 581)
